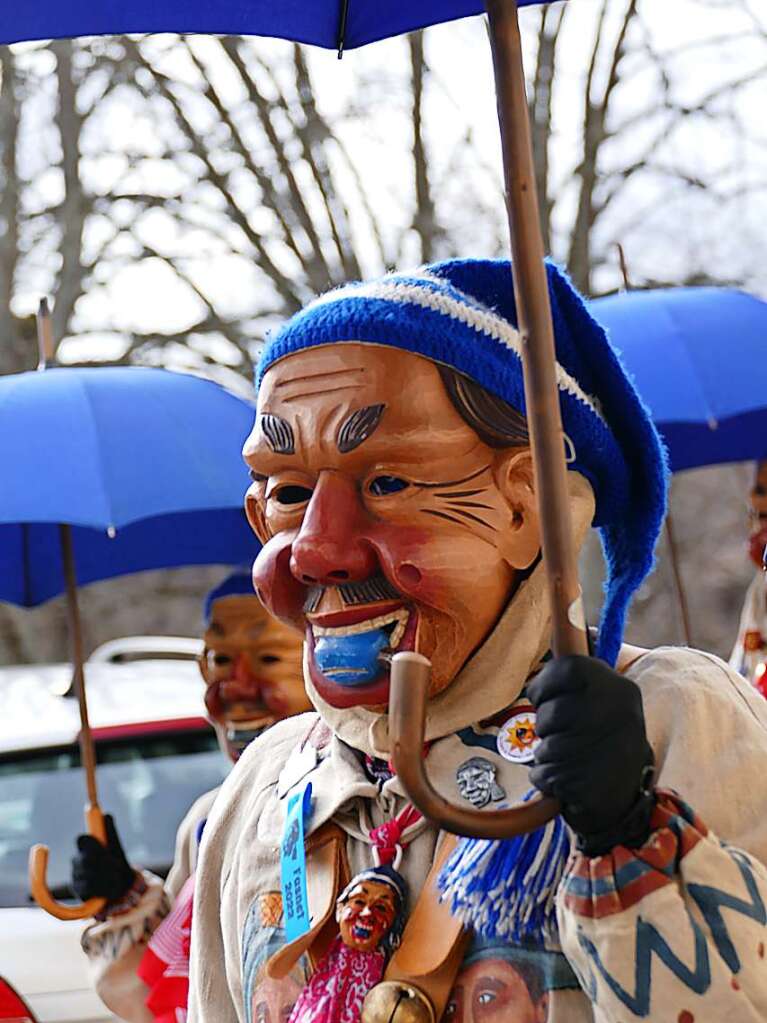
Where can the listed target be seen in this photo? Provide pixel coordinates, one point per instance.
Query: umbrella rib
(106, 501)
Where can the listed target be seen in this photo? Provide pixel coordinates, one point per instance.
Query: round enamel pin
(517, 740)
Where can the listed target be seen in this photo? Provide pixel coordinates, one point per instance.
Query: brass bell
(394, 1001)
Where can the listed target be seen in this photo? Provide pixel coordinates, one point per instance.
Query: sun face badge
(517, 740)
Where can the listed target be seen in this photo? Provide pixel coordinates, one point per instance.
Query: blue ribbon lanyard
(295, 902)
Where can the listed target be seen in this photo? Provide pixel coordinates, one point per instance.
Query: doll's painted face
(367, 914)
(387, 523)
(252, 668)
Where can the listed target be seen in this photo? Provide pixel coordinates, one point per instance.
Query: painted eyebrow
(358, 426)
(279, 434)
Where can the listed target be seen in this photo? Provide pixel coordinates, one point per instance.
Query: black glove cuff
(128, 900)
(632, 831)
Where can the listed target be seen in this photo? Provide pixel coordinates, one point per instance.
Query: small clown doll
(370, 912)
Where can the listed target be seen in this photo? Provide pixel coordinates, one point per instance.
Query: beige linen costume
(709, 734)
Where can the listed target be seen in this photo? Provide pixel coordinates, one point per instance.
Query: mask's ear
(255, 501)
(520, 539)
(202, 664)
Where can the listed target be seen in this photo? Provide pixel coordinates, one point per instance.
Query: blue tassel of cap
(507, 889)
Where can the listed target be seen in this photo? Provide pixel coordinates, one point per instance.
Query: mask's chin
(240, 734)
(349, 662)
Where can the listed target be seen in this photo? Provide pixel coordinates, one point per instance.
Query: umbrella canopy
(143, 463)
(699, 359)
(303, 21)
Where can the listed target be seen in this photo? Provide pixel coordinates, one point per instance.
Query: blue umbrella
(352, 23)
(117, 469)
(699, 359)
(143, 464)
(327, 23)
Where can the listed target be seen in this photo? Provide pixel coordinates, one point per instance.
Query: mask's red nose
(242, 684)
(242, 672)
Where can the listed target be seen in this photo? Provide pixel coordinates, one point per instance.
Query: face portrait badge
(476, 782)
(517, 740)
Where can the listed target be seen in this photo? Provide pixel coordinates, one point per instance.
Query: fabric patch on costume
(505, 982)
(487, 740)
(270, 905)
(267, 1000)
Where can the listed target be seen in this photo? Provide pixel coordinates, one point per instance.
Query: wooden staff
(531, 292)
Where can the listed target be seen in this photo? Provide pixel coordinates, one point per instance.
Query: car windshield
(146, 781)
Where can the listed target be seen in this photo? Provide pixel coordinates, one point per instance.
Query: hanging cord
(390, 838)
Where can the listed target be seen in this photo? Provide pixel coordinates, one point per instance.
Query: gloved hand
(101, 870)
(594, 756)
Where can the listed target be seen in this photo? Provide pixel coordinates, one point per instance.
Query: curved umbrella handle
(408, 696)
(38, 868)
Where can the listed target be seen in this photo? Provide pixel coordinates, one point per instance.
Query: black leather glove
(101, 870)
(594, 756)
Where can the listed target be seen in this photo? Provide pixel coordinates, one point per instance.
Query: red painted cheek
(213, 703)
(405, 557)
(277, 588)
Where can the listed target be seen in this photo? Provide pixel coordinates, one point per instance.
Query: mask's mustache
(368, 591)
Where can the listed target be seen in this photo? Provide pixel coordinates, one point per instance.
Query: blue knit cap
(461, 313)
(239, 583)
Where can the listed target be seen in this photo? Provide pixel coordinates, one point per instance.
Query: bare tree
(634, 160)
(264, 184)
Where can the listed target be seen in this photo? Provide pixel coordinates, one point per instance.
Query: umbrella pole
(678, 584)
(537, 332)
(547, 441)
(87, 752)
(94, 818)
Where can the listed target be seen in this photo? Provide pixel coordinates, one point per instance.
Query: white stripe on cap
(468, 312)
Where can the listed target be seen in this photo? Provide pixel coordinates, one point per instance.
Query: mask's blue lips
(351, 655)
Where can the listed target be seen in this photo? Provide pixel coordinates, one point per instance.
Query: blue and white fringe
(507, 889)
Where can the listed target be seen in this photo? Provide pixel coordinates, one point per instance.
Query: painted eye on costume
(269, 659)
(382, 486)
(291, 494)
(221, 659)
(257, 477)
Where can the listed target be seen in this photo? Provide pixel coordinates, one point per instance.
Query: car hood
(118, 694)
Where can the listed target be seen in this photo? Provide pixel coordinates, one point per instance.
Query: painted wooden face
(252, 668)
(387, 523)
(367, 915)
